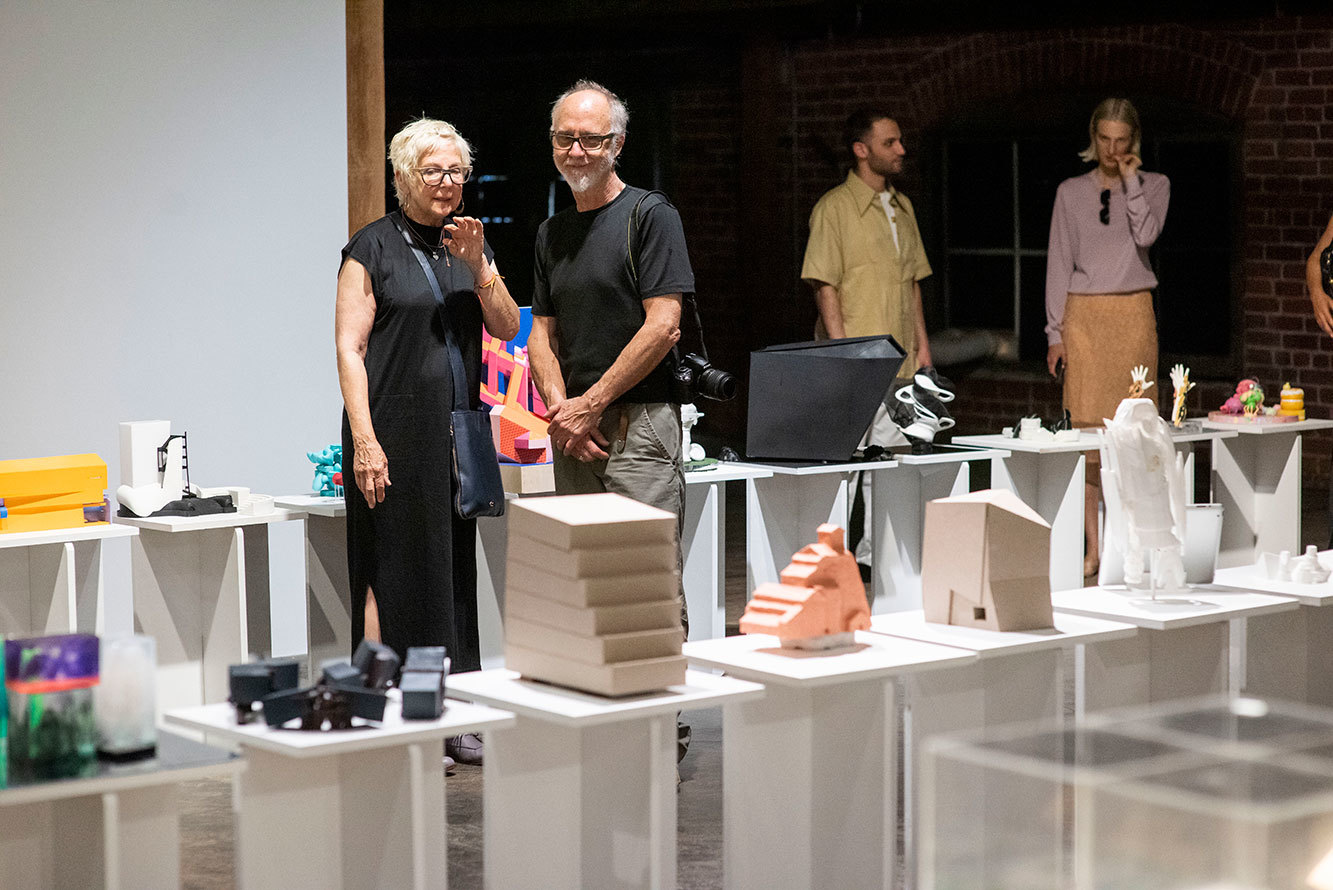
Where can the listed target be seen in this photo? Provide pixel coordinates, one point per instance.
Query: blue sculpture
(328, 471)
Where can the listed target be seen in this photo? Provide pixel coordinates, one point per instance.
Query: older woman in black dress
(411, 560)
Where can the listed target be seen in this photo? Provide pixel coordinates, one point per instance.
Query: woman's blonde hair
(1121, 110)
(410, 144)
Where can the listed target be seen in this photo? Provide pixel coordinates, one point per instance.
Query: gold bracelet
(494, 276)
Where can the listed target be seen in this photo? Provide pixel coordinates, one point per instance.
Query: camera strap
(631, 236)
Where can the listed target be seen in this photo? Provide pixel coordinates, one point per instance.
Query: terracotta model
(820, 601)
(984, 563)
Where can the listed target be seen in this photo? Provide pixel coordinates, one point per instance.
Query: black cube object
(423, 694)
(286, 672)
(378, 662)
(283, 706)
(340, 673)
(815, 400)
(425, 658)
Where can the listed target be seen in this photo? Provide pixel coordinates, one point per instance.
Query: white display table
(51, 581)
(703, 545)
(1018, 676)
(783, 510)
(201, 590)
(898, 497)
(1182, 650)
(810, 773)
(118, 828)
(581, 791)
(358, 808)
(1185, 441)
(1049, 478)
(328, 593)
(1257, 480)
(1288, 655)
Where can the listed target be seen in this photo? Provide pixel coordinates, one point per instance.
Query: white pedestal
(1185, 443)
(898, 498)
(1288, 655)
(783, 511)
(51, 581)
(117, 829)
(201, 590)
(703, 545)
(360, 808)
(1182, 650)
(1257, 480)
(1019, 676)
(581, 791)
(1048, 477)
(810, 771)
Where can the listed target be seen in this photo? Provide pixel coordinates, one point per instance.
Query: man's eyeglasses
(1105, 215)
(436, 175)
(591, 142)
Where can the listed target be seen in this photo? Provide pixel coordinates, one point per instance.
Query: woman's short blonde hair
(1121, 110)
(410, 144)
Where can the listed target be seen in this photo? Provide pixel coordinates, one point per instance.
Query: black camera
(695, 376)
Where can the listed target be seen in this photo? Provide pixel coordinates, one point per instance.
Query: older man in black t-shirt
(611, 273)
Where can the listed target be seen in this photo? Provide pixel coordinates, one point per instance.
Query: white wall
(173, 197)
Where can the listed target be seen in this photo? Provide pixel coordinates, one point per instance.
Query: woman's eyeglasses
(1105, 215)
(434, 176)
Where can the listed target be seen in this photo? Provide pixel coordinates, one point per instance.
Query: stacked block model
(43, 493)
(591, 594)
(820, 601)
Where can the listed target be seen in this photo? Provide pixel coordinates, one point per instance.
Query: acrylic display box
(1209, 794)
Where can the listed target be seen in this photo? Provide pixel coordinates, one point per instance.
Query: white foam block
(594, 562)
(622, 678)
(592, 620)
(589, 520)
(609, 649)
(139, 441)
(608, 591)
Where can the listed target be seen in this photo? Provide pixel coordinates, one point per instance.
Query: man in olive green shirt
(865, 259)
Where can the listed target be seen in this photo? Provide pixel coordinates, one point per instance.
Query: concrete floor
(207, 834)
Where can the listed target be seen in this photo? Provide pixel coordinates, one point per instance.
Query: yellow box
(46, 493)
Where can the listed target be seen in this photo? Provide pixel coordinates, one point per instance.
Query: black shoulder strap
(455, 357)
(631, 239)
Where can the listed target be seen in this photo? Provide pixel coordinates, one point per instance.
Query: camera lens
(717, 384)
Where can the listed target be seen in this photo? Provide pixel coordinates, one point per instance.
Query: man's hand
(1055, 356)
(371, 468)
(1129, 166)
(574, 429)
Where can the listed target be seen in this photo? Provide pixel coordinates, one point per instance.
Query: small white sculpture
(1305, 569)
(689, 416)
(1150, 478)
(1180, 380)
(1139, 382)
(146, 499)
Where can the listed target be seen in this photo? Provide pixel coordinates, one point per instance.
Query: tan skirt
(1106, 336)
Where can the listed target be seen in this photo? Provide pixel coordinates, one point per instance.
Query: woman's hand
(1055, 356)
(371, 468)
(1129, 166)
(466, 243)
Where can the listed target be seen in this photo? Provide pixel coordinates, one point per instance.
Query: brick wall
(1273, 77)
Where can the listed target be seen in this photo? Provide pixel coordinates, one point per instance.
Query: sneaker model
(465, 748)
(934, 382)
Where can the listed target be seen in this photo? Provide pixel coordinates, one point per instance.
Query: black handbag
(478, 488)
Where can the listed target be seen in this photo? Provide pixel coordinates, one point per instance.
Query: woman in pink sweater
(1099, 312)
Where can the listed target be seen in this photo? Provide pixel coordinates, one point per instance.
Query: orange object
(43, 493)
(820, 595)
(1293, 402)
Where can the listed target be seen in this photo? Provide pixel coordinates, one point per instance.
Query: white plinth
(1018, 676)
(51, 581)
(581, 791)
(1182, 651)
(1257, 480)
(703, 545)
(898, 497)
(116, 829)
(1288, 655)
(782, 511)
(201, 588)
(360, 808)
(1049, 477)
(810, 771)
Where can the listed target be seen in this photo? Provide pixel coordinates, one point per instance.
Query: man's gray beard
(585, 178)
